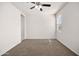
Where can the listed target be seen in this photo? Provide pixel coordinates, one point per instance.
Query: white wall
(69, 34)
(40, 26)
(10, 27)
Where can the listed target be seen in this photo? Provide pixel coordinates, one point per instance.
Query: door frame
(22, 27)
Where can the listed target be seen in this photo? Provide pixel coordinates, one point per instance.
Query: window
(59, 22)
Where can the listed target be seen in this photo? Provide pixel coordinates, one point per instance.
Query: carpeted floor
(38, 47)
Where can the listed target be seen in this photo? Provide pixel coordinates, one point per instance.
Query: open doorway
(22, 27)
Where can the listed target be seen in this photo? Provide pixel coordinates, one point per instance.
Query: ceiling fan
(39, 5)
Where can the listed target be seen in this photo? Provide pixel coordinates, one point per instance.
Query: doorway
(22, 27)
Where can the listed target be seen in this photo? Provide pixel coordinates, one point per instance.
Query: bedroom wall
(10, 27)
(40, 26)
(69, 32)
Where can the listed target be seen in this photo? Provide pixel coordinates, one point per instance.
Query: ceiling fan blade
(41, 9)
(32, 7)
(47, 5)
(33, 2)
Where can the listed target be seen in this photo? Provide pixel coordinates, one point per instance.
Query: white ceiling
(25, 7)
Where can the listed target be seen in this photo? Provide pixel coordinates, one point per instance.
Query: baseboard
(8, 48)
(39, 38)
(68, 47)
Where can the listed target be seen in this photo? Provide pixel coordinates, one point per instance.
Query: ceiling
(25, 7)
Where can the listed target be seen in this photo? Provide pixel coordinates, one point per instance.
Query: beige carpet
(39, 47)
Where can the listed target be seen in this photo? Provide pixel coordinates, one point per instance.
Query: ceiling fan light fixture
(38, 7)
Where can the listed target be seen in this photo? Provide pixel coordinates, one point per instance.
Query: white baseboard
(68, 47)
(40, 38)
(9, 47)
